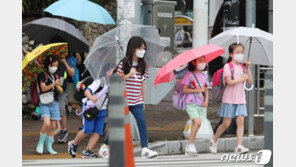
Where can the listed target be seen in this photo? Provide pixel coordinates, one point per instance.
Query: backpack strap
(231, 70)
(244, 68)
(203, 93)
(104, 101)
(46, 77)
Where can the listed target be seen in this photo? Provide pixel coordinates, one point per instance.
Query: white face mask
(201, 66)
(239, 57)
(52, 69)
(140, 53)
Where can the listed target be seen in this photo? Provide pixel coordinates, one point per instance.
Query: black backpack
(79, 94)
(230, 130)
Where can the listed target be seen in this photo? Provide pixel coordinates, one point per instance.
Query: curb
(202, 145)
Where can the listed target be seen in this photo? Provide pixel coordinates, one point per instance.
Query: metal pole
(250, 20)
(270, 16)
(128, 12)
(200, 23)
(258, 90)
(268, 118)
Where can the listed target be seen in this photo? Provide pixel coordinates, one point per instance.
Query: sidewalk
(164, 123)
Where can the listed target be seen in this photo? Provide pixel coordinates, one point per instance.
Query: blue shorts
(50, 110)
(232, 110)
(96, 125)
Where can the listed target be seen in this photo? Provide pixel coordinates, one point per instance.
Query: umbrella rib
(263, 49)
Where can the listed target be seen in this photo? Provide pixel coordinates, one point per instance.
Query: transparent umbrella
(109, 48)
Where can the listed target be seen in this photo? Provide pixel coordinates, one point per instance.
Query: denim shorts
(232, 110)
(50, 110)
(96, 125)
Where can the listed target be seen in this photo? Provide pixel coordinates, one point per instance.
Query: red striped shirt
(134, 87)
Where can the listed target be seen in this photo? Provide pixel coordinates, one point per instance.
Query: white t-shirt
(93, 88)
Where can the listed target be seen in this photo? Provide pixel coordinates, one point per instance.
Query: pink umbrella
(166, 74)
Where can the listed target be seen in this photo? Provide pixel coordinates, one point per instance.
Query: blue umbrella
(81, 10)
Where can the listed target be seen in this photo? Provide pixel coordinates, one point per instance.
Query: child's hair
(49, 60)
(232, 48)
(134, 43)
(192, 67)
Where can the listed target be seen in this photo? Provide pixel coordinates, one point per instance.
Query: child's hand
(248, 63)
(56, 82)
(205, 104)
(132, 71)
(200, 90)
(63, 61)
(94, 99)
(245, 77)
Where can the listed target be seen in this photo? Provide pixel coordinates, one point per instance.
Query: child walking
(135, 71)
(92, 127)
(233, 99)
(49, 107)
(196, 98)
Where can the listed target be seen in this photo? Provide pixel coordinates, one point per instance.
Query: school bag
(82, 86)
(230, 130)
(178, 95)
(218, 87)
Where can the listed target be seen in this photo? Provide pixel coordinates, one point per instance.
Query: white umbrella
(258, 44)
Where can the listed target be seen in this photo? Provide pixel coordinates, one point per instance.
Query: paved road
(161, 161)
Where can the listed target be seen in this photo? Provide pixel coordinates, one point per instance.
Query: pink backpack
(218, 87)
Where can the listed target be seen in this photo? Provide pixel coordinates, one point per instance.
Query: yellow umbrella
(32, 64)
(38, 51)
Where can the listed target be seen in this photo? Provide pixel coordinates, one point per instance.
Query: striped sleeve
(119, 70)
(146, 74)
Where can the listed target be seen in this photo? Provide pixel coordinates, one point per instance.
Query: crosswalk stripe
(160, 161)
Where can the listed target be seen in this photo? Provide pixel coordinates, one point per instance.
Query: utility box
(161, 15)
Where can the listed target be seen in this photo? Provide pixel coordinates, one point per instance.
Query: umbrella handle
(137, 78)
(248, 89)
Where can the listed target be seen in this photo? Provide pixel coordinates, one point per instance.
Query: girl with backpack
(233, 98)
(49, 106)
(196, 98)
(135, 72)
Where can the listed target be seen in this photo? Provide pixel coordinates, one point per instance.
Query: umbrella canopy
(166, 74)
(105, 53)
(44, 29)
(81, 10)
(32, 64)
(258, 44)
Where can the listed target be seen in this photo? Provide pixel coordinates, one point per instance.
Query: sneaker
(213, 146)
(72, 149)
(63, 136)
(241, 150)
(104, 152)
(88, 155)
(190, 149)
(146, 153)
